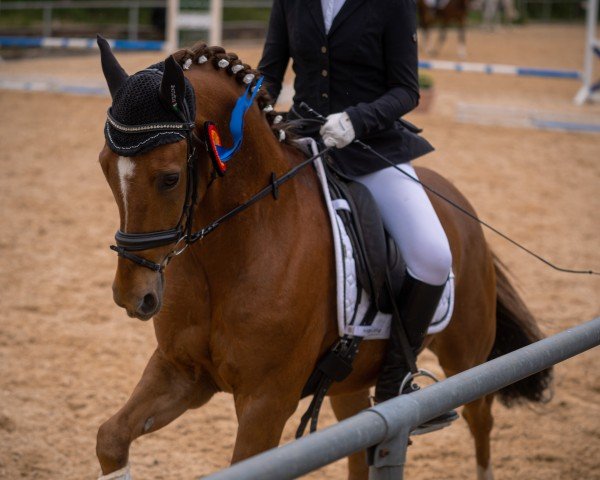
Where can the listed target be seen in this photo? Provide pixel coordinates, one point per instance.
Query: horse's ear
(172, 87)
(113, 72)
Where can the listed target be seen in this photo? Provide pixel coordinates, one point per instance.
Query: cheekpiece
(138, 121)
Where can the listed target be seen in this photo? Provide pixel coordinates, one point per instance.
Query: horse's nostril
(148, 304)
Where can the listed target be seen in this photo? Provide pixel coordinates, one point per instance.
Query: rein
(272, 188)
(182, 232)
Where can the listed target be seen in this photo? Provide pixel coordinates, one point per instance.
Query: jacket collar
(349, 7)
(316, 11)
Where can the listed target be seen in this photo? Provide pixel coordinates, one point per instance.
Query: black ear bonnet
(138, 102)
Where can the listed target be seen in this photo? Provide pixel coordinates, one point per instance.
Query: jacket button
(324, 72)
(324, 95)
(323, 49)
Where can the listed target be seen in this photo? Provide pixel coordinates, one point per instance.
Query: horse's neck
(248, 172)
(250, 168)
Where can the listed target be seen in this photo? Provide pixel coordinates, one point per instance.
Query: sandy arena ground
(69, 357)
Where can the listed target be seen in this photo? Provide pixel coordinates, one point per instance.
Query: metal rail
(70, 4)
(133, 7)
(385, 427)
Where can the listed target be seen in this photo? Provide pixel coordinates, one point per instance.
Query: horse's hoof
(121, 474)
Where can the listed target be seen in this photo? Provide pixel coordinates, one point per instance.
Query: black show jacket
(366, 65)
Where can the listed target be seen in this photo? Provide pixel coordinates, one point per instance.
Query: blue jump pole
(499, 69)
(77, 43)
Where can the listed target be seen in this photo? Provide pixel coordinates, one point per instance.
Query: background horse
(250, 309)
(444, 13)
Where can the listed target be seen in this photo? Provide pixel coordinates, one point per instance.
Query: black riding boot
(416, 304)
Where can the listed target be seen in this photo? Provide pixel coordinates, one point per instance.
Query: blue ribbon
(236, 124)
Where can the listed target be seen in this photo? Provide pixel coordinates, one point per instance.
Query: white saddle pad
(352, 304)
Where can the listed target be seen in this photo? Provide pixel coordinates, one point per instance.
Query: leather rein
(181, 235)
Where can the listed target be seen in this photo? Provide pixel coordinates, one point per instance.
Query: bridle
(180, 235)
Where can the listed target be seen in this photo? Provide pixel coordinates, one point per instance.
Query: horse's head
(149, 164)
(157, 161)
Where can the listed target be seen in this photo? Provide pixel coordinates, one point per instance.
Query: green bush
(425, 81)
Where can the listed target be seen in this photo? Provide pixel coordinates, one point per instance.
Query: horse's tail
(515, 328)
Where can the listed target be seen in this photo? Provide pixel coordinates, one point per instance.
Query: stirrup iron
(410, 376)
(426, 427)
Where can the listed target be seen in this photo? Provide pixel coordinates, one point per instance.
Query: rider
(356, 63)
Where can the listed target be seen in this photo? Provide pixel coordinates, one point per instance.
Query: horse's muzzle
(140, 303)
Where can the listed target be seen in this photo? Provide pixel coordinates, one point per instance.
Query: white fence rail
(385, 427)
(48, 8)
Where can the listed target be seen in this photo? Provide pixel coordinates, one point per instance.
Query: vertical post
(216, 20)
(47, 32)
(387, 460)
(547, 8)
(588, 56)
(134, 19)
(172, 34)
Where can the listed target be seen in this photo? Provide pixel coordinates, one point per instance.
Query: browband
(151, 127)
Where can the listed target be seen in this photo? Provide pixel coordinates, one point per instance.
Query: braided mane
(243, 73)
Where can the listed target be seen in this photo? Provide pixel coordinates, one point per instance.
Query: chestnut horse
(453, 12)
(251, 308)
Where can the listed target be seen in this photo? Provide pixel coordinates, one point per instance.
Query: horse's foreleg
(163, 393)
(346, 406)
(478, 415)
(426, 40)
(462, 41)
(261, 418)
(441, 37)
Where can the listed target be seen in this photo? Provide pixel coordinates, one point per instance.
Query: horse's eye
(169, 181)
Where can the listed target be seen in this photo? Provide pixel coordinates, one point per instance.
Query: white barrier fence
(591, 88)
(385, 428)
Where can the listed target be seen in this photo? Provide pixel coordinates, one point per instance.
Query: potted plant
(427, 92)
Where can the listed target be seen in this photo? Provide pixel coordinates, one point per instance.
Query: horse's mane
(220, 59)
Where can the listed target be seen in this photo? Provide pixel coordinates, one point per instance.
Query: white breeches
(411, 220)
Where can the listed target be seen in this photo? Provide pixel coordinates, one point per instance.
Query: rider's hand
(338, 130)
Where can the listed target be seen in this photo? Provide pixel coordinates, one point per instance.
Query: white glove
(338, 130)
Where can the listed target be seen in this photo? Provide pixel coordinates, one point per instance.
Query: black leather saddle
(375, 252)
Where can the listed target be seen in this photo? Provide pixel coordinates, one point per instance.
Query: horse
(250, 309)
(444, 13)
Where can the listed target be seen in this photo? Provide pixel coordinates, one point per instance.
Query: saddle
(379, 267)
(375, 251)
(380, 271)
